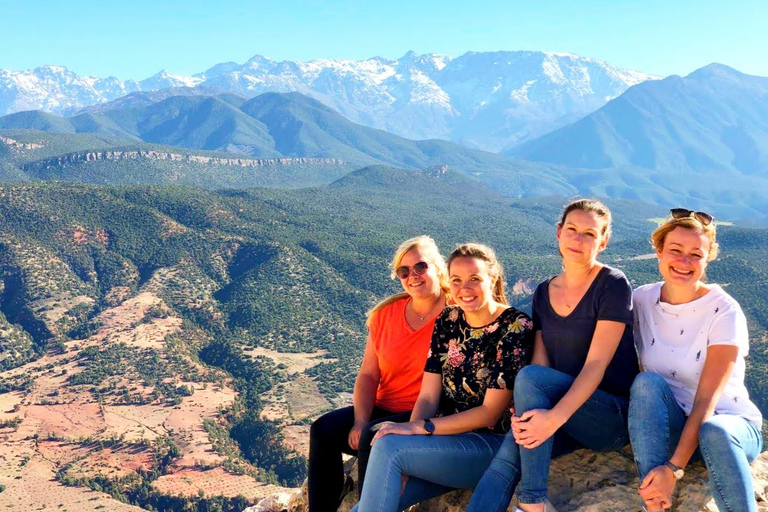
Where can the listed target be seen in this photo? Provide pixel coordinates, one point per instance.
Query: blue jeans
(435, 465)
(599, 424)
(727, 443)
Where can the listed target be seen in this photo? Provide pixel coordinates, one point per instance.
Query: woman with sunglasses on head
(386, 388)
(576, 391)
(692, 339)
(457, 424)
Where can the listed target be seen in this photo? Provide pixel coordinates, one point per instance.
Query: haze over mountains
(699, 140)
(485, 100)
(715, 119)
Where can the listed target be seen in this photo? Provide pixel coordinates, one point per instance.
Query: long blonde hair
(429, 249)
(485, 253)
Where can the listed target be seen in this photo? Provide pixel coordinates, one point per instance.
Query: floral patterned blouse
(473, 359)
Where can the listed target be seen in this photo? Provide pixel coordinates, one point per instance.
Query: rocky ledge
(584, 481)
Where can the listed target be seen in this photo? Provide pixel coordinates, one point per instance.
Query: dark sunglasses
(681, 213)
(417, 269)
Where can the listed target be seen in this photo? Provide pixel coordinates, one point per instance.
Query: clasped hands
(657, 487)
(534, 427)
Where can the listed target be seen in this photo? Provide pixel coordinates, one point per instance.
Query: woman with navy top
(576, 391)
(692, 339)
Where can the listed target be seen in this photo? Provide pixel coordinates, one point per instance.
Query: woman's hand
(354, 435)
(412, 428)
(657, 486)
(534, 427)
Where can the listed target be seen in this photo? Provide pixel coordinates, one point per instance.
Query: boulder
(583, 481)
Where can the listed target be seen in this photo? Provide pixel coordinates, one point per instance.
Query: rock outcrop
(584, 481)
(145, 154)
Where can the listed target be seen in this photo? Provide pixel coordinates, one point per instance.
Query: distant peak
(715, 70)
(409, 56)
(257, 60)
(52, 69)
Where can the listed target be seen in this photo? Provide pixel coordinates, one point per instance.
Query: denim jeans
(435, 465)
(727, 443)
(600, 424)
(328, 439)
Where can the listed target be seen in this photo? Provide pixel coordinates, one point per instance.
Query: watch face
(679, 474)
(429, 427)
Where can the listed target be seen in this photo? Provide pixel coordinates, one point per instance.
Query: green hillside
(286, 270)
(274, 125)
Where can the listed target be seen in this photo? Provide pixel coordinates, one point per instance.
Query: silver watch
(678, 472)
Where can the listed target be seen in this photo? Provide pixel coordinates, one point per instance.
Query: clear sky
(137, 38)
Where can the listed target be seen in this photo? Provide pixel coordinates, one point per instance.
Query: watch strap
(676, 471)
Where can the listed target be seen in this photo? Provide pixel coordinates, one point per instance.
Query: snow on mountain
(164, 80)
(489, 100)
(56, 89)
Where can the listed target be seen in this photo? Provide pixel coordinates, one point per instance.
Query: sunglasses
(417, 269)
(681, 213)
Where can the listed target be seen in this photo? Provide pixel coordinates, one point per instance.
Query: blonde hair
(591, 206)
(660, 234)
(485, 253)
(429, 249)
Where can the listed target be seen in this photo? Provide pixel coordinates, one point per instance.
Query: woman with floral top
(576, 391)
(690, 401)
(463, 409)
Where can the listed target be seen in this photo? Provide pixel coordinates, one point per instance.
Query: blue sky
(139, 38)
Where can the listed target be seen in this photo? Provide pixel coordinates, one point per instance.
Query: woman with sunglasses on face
(457, 424)
(576, 391)
(386, 388)
(692, 339)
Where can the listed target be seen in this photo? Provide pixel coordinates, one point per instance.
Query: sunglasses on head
(681, 213)
(418, 268)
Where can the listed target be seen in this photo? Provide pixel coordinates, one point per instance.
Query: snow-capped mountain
(487, 100)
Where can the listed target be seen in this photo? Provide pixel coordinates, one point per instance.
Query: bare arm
(536, 426)
(605, 341)
(364, 394)
(717, 370)
(429, 397)
(659, 483)
(539, 351)
(484, 415)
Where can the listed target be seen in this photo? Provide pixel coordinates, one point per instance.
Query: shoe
(349, 486)
(548, 507)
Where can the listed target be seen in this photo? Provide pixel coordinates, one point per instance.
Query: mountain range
(715, 119)
(698, 140)
(487, 100)
(269, 126)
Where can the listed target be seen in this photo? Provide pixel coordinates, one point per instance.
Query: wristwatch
(429, 427)
(678, 472)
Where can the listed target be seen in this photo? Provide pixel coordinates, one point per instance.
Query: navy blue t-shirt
(567, 338)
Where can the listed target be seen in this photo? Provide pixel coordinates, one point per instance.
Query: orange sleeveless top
(401, 353)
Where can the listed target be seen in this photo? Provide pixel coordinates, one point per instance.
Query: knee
(647, 385)
(530, 376)
(366, 436)
(322, 427)
(385, 450)
(714, 432)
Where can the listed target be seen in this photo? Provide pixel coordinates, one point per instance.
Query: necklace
(421, 318)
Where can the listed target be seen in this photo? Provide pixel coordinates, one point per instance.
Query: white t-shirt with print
(672, 340)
